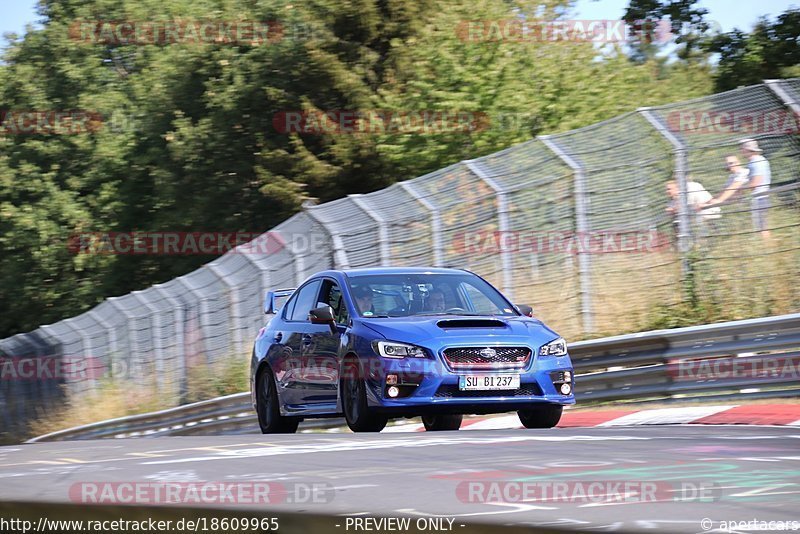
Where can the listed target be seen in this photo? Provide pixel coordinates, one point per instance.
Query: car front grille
(463, 358)
(451, 391)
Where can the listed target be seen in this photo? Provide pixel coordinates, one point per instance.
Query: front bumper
(429, 386)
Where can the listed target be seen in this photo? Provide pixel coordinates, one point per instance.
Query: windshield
(402, 295)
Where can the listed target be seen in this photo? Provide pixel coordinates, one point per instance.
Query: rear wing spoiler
(275, 299)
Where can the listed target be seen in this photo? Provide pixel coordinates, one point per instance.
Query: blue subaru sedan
(380, 343)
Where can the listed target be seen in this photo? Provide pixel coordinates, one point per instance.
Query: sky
(728, 14)
(14, 14)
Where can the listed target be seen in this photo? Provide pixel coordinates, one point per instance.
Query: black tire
(545, 416)
(269, 413)
(353, 391)
(442, 422)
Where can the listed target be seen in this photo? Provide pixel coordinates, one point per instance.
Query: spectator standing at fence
(759, 178)
(696, 198)
(737, 180)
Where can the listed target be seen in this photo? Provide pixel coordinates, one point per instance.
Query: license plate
(483, 382)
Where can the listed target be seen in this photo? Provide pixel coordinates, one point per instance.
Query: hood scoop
(471, 323)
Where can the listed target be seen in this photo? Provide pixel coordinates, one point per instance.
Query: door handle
(278, 337)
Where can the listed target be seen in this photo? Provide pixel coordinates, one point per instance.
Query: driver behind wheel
(363, 295)
(436, 301)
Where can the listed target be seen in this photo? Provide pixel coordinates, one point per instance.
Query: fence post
(383, 234)
(339, 252)
(582, 227)
(202, 315)
(235, 310)
(179, 340)
(786, 99)
(265, 273)
(681, 177)
(112, 335)
(436, 221)
(130, 350)
(266, 284)
(502, 221)
(88, 349)
(158, 347)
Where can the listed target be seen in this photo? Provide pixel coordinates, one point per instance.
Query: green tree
(771, 50)
(652, 21)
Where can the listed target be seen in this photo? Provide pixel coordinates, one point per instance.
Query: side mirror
(526, 310)
(323, 315)
(274, 300)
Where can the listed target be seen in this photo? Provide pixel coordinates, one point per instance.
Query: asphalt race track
(677, 475)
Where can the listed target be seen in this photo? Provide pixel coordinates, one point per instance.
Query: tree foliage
(771, 50)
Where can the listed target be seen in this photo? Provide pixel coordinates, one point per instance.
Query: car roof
(390, 270)
(401, 270)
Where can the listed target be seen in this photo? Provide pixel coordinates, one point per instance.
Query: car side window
(304, 302)
(332, 296)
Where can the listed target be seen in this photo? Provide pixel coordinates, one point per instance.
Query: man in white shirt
(696, 198)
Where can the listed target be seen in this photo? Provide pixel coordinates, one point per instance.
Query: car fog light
(566, 389)
(391, 379)
(393, 391)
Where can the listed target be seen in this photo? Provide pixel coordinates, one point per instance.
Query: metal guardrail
(660, 366)
(754, 358)
(231, 414)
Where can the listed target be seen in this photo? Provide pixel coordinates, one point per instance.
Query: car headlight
(392, 349)
(557, 347)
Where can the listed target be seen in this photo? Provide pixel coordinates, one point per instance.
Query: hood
(443, 330)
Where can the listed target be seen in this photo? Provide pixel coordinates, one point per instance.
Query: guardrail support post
(582, 227)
